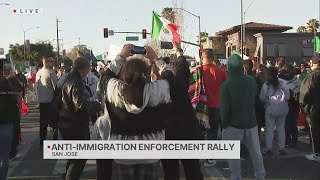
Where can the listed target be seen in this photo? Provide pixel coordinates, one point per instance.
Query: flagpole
(241, 29)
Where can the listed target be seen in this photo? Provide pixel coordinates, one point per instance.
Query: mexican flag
(316, 44)
(164, 30)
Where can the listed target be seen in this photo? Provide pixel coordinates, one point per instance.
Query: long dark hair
(135, 74)
(273, 77)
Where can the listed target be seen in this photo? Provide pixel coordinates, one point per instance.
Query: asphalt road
(292, 166)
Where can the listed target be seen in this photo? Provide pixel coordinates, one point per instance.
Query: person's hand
(151, 54)
(177, 49)
(126, 50)
(176, 46)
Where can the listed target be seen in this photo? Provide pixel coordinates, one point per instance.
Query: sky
(86, 19)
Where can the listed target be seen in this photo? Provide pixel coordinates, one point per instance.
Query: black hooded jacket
(309, 93)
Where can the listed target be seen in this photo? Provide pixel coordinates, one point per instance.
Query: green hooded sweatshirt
(238, 94)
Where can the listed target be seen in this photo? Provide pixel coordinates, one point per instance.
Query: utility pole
(241, 29)
(58, 46)
(79, 41)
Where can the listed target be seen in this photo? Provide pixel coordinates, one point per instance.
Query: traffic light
(144, 34)
(105, 32)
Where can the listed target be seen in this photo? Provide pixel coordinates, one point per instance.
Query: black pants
(94, 118)
(104, 169)
(291, 124)
(44, 121)
(74, 168)
(191, 168)
(15, 138)
(315, 127)
(214, 121)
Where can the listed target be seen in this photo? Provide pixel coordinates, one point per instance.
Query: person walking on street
(10, 103)
(310, 100)
(92, 82)
(288, 75)
(23, 80)
(46, 80)
(238, 117)
(76, 108)
(213, 77)
(261, 78)
(275, 95)
(183, 124)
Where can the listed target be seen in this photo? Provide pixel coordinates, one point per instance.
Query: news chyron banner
(141, 149)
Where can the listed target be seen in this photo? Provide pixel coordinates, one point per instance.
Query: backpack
(277, 104)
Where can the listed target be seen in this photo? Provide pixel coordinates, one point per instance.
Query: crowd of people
(144, 97)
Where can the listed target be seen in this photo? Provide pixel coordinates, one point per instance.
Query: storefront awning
(308, 52)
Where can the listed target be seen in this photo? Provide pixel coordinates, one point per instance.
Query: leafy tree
(38, 50)
(312, 25)
(73, 53)
(203, 36)
(302, 29)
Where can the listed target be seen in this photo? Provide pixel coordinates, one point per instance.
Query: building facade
(218, 45)
(292, 47)
(233, 36)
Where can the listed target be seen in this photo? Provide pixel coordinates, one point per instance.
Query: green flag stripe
(156, 25)
(316, 44)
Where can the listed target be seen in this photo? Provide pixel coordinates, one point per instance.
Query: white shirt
(46, 81)
(92, 81)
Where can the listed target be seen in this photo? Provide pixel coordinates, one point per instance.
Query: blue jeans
(214, 121)
(250, 138)
(6, 134)
(272, 123)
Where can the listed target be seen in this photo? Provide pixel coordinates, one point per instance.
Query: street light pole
(243, 24)
(241, 29)
(24, 41)
(199, 25)
(196, 17)
(58, 48)
(244, 20)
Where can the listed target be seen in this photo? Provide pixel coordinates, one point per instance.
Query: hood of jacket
(155, 93)
(235, 66)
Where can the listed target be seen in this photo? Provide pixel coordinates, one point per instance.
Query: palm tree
(169, 14)
(203, 36)
(302, 29)
(312, 25)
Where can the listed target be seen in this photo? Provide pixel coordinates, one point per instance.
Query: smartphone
(166, 45)
(138, 50)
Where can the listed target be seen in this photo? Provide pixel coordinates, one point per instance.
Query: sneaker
(312, 157)
(282, 152)
(18, 156)
(266, 152)
(209, 163)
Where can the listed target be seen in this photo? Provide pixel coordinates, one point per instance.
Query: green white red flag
(164, 30)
